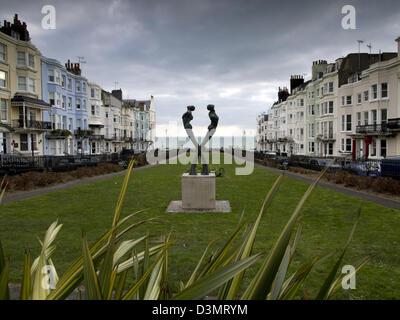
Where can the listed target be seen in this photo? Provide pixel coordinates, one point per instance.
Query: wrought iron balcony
(96, 137)
(331, 136)
(83, 133)
(32, 124)
(394, 124)
(372, 129)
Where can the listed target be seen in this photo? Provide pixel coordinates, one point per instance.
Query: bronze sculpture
(186, 118)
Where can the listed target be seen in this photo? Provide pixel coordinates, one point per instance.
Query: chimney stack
(398, 47)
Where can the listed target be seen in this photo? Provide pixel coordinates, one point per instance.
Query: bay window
(31, 60)
(52, 99)
(31, 85)
(22, 84)
(21, 58)
(3, 50)
(383, 116)
(384, 90)
(4, 109)
(374, 91)
(3, 79)
(366, 95)
(50, 73)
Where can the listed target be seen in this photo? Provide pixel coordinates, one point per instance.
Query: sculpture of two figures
(186, 118)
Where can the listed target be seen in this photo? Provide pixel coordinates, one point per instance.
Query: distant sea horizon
(246, 142)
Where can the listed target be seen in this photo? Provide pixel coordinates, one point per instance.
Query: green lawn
(328, 219)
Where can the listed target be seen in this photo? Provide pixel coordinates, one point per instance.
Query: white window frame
(25, 84)
(3, 53)
(19, 55)
(5, 79)
(374, 98)
(387, 91)
(51, 75)
(3, 109)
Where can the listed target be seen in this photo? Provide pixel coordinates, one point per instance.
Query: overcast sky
(233, 54)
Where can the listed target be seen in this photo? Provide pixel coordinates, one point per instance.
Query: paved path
(351, 192)
(21, 195)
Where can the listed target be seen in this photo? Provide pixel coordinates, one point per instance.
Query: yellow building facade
(21, 125)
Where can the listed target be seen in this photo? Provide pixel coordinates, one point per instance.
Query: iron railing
(32, 124)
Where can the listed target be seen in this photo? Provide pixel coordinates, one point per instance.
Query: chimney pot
(398, 47)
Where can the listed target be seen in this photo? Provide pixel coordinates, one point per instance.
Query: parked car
(367, 169)
(390, 168)
(129, 152)
(319, 164)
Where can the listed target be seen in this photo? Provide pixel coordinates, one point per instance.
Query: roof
(30, 100)
(137, 103)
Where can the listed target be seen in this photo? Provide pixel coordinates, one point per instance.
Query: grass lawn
(328, 219)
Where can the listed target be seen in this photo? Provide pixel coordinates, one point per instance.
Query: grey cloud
(189, 52)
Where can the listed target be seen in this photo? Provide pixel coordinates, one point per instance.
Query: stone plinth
(198, 192)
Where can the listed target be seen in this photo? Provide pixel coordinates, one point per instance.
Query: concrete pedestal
(198, 192)
(198, 196)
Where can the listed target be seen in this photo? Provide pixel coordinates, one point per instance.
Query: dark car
(128, 152)
(390, 168)
(368, 169)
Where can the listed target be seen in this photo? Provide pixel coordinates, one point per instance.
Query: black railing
(372, 129)
(394, 124)
(96, 137)
(16, 163)
(32, 124)
(83, 133)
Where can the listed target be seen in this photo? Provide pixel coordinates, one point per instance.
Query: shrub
(31, 180)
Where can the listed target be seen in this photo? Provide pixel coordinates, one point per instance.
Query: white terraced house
(349, 108)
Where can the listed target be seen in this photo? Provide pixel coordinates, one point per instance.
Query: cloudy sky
(233, 54)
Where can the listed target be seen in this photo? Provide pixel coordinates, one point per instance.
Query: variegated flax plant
(103, 267)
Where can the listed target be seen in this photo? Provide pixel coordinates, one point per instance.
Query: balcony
(373, 129)
(394, 124)
(58, 134)
(83, 133)
(32, 124)
(96, 137)
(327, 137)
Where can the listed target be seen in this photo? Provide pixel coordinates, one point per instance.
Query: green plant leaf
(197, 268)
(248, 244)
(337, 284)
(261, 284)
(134, 289)
(280, 275)
(324, 291)
(26, 278)
(92, 287)
(4, 290)
(120, 285)
(214, 280)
